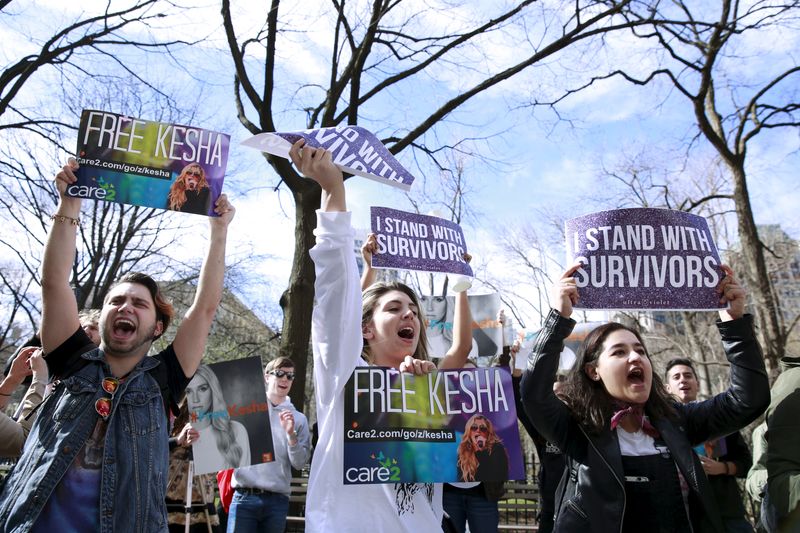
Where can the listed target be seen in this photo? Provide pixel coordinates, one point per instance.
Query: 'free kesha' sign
(644, 259)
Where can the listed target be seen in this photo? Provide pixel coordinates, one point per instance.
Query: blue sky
(539, 162)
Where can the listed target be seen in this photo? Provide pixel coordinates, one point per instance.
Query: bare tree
(728, 115)
(378, 51)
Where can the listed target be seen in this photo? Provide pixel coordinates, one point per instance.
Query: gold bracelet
(55, 217)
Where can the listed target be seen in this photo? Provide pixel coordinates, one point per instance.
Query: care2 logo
(387, 471)
(101, 191)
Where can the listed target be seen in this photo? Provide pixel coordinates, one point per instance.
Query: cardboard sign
(354, 149)
(423, 243)
(644, 259)
(447, 426)
(228, 405)
(151, 164)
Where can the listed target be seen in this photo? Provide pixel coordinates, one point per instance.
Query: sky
(538, 162)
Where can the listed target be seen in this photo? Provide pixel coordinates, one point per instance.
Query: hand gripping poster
(423, 243)
(447, 426)
(151, 164)
(227, 405)
(354, 150)
(644, 259)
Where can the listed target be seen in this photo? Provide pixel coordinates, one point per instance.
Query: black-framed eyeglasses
(103, 405)
(281, 373)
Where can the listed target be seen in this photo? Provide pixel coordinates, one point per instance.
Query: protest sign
(151, 164)
(447, 426)
(644, 259)
(487, 331)
(418, 242)
(227, 404)
(354, 150)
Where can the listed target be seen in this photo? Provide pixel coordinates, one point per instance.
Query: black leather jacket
(591, 496)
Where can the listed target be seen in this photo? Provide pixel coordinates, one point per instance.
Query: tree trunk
(297, 300)
(756, 275)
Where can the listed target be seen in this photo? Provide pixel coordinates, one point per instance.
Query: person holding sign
(627, 444)
(97, 455)
(385, 330)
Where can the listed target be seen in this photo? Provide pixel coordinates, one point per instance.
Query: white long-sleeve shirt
(336, 336)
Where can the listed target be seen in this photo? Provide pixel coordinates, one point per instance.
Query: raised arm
(458, 353)
(368, 249)
(190, 340)
(59, 308)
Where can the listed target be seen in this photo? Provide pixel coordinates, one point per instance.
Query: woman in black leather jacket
(630, 463)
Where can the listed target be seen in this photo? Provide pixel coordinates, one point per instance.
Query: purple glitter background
(387, 260)
(664, 298)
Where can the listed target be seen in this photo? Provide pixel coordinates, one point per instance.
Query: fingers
(467, 257)
(224, 208)
(370, 247)
(418, 367)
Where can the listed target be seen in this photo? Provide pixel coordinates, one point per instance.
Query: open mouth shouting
(407, 333)
(636, 376)
(123, 328)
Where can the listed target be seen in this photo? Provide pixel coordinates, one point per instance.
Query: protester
(620, 433)
(96, 458)
(475, 502)
(389, 331)
(13, 433)
(261, 492)
(781, 506)
(223, 443)
(723, 459)
(90, 322)
(203, 516)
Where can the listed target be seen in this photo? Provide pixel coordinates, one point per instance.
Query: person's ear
(159, 329)
(591, 371)
(366, 332)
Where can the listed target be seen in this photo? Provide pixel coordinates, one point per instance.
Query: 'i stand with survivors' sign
(151, 164)
(354, 150)
(447, 426)
(418, 242)
(644, 259)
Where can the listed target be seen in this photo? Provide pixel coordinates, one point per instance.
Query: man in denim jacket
(96, 458)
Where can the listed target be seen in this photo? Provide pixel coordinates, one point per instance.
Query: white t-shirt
(336, 336)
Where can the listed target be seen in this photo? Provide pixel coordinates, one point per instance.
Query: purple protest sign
(644, 259)
(355, 150)
(418, 242)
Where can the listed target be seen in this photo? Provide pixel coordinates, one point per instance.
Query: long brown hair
(591, 405)
(177, 193)
(369, 300)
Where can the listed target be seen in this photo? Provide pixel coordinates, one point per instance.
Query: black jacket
(592, 498)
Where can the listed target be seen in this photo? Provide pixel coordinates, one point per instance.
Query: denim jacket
(135, 456)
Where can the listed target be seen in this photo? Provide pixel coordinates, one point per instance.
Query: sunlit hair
(89, 317)
(224, 433)
(279, 362)
(369, 300)
(181, 419)
(177, 193)
(589, 401)
(164, 309)
(467, 460)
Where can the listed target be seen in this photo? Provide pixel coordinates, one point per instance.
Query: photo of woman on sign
(223, 443)
(481, 454)
(190, 193)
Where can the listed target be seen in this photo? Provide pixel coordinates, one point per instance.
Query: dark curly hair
(588, 400)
